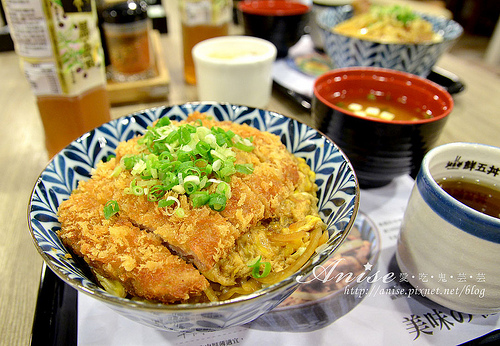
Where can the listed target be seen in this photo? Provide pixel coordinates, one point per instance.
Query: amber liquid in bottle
(191, 35)
(65, 118)
(64, 64)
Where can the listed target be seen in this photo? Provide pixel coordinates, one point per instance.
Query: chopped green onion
(217, 202)
(156, 192)
(139, 167)
(256, 268)
(163, 122)
(116, 172)
(111, 208)
(244, 168)
(185, 136)
(199, 198)
(217, 165)
(179, 212)
(129, 161)
(224, 189)
(226, 171)
(244, 145)
(404, 14)
(203, 148)
(172, 137)
(166, 203)
(191, 184)
(134, 189)
(186, 159)
(109, 157)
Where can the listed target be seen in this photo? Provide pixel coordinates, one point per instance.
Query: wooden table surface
(475, 118)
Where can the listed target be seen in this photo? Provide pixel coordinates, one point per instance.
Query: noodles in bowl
(336, 205)
(413, 53)
(389, 24)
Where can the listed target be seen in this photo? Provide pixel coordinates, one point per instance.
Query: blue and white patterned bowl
(338, 204)
(418, 59)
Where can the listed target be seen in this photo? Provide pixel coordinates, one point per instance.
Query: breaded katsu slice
(201, 236)
(118, 250)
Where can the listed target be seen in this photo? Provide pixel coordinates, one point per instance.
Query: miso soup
(383, 107)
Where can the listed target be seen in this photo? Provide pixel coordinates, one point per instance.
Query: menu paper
(390, 312)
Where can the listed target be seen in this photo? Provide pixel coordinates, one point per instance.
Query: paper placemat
(389, 314)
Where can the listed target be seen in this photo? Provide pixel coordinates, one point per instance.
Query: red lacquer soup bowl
(359, 108)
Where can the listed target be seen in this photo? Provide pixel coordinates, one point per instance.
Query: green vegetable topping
(186, 159)
(404, 14)
(110, 209)
(256, 268)
(109, 157)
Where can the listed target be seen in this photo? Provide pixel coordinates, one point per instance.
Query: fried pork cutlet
(118, 250)
(200, 236)
(135, 246)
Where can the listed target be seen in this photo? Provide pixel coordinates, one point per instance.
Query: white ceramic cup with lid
(449, 251)
(235, 69)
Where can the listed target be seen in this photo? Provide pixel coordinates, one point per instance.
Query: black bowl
(280, 22)
(380, 150)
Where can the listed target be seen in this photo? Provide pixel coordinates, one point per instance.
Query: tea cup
(447, 250)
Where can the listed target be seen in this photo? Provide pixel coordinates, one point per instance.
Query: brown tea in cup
(475, 194)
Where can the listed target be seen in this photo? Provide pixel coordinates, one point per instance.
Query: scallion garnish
(200, 198)
(110, 208)
(186, 159)
(109, 157)
(404, 14)
(244, 168)
(256, 268)
(217, 201)
(167, 202)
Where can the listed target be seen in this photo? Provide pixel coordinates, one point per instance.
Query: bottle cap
(125, 12)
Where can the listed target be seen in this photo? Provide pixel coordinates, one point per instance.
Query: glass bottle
(200, 20)
(126, 27)
(60, 50)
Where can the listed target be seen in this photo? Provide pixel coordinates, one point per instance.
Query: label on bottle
(59, 44)
(43, 78)
(29, 28)
(205, 12)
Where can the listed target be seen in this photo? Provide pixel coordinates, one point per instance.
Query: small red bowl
(278, 21)
(378, 149)
(273, 7)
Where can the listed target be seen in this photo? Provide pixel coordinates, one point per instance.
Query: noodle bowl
(389, 24)
(348, 50)
(338, 200)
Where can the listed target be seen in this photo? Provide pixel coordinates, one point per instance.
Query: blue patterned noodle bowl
(417, 59)
(338, 204)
